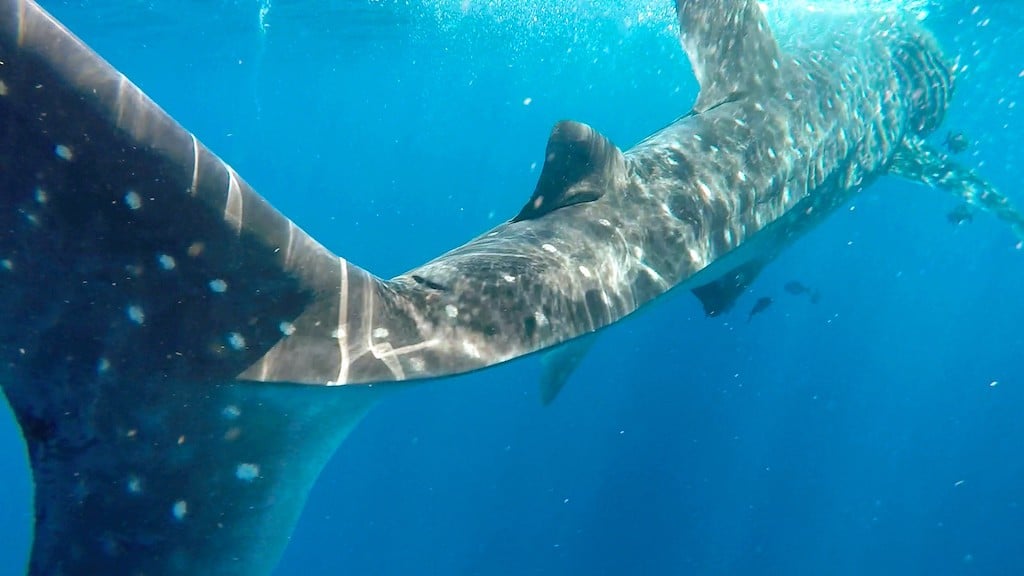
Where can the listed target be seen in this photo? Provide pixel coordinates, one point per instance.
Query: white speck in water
(247, 472)
(286, 328)
(179, 510)
(136, 314)
(41, 196)
(134, 484)
(219, 286)
(231, 412)
(63, 152)
(527, 101)
(6, 264)
(380, 332)
(166, 262)
(236, 340)
(133, 200)
(102, 365)
(3, 88)
(993, 384)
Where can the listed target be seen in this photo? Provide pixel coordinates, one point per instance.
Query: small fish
(761, 305)
(960, 215)
(956, 142)
(796, 288)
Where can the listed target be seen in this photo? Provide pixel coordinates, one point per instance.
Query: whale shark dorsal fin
(730, 46)
(579, 165)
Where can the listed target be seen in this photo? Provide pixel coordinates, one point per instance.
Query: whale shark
(182, 359)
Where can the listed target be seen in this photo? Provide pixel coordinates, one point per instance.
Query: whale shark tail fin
(919, 161)
(140, 278)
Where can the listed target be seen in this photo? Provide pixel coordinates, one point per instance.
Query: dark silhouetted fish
(797, 288)
(962, 214)
(761, 305)
(956, 142)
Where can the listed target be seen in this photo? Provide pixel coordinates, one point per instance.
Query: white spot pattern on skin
(286, 328)
(247, 472)
(136, 314)
(509, 278)
(451, 311)
(585, 271)
(231, 412)
(236, 341)
(179, 510)
(541, 319)
(549, 248)
(219, 286)
(133, 200)
(704, 190)
(417, 364)
(166, 262)
(380, 332)
(470, 349)
(63, 152)
(604, 222)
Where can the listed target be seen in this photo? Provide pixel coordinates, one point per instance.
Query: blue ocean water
(877, 430)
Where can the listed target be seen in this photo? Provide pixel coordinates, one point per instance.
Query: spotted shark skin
(182, 359)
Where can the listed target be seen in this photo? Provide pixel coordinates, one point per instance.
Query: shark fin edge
(720, 295)
(560, 363)
(580, 165)
(730, 46)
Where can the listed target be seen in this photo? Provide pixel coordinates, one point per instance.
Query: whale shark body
(182, 359)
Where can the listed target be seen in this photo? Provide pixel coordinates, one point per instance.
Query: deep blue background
(861, 434)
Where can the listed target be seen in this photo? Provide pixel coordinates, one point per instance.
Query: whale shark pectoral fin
(730, 46)
(140, 278)
(580, 165)
(720, 295)
(560, 363)
(921, 162)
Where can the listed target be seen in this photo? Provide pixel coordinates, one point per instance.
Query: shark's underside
(165, 331)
